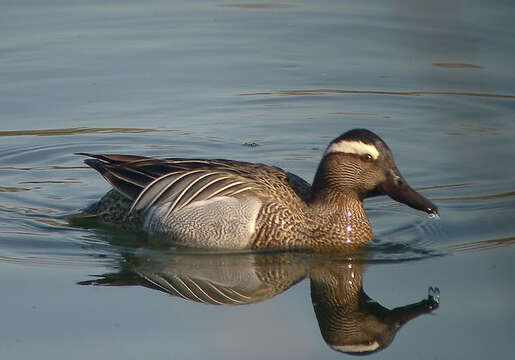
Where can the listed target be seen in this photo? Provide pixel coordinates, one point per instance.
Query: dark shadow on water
(349, 320)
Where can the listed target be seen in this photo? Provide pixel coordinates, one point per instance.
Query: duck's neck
(337, 208)
(334, 186)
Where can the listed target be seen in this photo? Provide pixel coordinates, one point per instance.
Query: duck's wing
(151, 182)
(182, 187)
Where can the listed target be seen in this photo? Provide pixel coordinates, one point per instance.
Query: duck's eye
(368, 157)
(399, 182)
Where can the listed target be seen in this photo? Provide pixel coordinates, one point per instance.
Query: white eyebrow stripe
(353, 147)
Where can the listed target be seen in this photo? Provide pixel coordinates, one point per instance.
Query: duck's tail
(121, 171)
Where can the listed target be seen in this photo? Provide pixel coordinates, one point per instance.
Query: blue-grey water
(269, 82)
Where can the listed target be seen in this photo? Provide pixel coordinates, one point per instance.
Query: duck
(236, 205)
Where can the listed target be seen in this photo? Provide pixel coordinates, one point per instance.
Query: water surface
(261, 82)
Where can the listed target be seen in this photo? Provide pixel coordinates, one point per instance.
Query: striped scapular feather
(181, 188)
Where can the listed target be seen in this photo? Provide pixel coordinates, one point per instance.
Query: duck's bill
(398, 189)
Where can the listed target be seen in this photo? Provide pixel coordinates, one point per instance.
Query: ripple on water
(474, 217)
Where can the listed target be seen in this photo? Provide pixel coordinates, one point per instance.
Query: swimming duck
(226, 204)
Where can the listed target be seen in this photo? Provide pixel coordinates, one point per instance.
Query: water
(268, 83)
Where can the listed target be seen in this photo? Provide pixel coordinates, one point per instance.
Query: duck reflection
(218, 279)
(349, 320)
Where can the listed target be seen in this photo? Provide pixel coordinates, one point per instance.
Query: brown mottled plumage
(240, 205)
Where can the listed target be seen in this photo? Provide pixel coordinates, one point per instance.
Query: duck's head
(360, 164)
